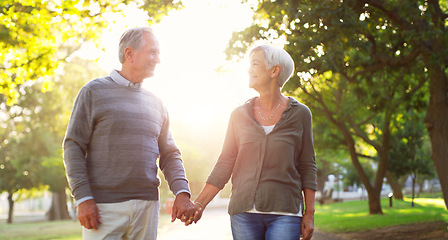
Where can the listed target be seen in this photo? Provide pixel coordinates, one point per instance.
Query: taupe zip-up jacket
(270, 170)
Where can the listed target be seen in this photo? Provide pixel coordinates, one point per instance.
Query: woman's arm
(205, 197)
(308, 217)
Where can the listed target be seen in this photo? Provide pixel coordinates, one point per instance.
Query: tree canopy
(36, 36)
(359, 61)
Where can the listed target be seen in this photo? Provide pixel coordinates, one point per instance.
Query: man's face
(146, 58)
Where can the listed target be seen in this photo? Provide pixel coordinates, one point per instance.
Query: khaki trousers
(134, 219)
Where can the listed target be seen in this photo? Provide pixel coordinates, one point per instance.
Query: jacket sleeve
(170, 160)
(306, 160)
(76, 142)
(223, 169)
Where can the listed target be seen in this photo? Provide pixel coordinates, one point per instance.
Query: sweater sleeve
(170, 160)
(223, 169)
(307, 163)
(76, 142)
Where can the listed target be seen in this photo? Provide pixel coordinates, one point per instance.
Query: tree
(409, 154)
(36, 36)
(18, 168)
(329, 150)
(358, 39)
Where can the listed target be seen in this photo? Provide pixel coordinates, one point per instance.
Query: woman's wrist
(309, 211)
(200, 204)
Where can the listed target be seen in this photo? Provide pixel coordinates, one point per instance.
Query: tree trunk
(58, 209)
(396, 187)
(437, 120)
(420, 187)
(372, 192)
(439, 144)
(375, 202)
(413, 190)
(11, 208)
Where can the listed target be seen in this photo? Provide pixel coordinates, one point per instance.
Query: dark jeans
(255, 226)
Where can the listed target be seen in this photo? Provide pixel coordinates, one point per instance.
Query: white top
(268, 129)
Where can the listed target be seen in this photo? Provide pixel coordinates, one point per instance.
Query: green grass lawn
(354, 215)
(68, 229)
(63, 230)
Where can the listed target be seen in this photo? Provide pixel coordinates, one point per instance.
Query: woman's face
(258, 74)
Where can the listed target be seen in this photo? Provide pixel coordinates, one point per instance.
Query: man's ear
(128, 54)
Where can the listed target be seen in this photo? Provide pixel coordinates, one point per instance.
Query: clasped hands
(185, 210)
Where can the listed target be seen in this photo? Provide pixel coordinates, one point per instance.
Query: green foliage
(410, 152)
(351, 176)
(30, 148)
(36, 36)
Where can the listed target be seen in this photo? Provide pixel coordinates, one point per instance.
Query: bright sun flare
(192, 42)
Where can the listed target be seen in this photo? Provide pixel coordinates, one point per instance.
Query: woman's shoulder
(299, 106)
(243, 109)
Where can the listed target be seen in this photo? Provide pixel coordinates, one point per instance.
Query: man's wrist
(183, 191)
(83, 200)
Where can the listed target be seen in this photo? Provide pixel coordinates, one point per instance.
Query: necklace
(272, 115)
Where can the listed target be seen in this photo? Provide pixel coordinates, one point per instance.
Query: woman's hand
(197, 214)
(307, 226)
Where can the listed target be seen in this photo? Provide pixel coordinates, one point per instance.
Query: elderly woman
(268, 151)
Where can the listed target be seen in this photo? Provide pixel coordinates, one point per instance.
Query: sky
(192, 42)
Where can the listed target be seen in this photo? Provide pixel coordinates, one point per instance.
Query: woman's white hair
(274, 56)
(132, 38)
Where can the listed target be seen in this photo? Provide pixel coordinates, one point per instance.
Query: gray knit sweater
(114, 137)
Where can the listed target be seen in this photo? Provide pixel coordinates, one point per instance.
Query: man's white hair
(132, 38)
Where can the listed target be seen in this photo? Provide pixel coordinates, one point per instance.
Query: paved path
(214, 225)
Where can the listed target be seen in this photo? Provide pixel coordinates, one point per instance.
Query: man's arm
(77, 138)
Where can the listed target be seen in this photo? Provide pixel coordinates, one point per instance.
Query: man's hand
(307, 226)
(89, 215)
(183, 208)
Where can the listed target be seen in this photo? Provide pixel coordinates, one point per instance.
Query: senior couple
(118, 130)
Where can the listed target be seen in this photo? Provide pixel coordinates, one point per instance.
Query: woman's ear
(276, 71)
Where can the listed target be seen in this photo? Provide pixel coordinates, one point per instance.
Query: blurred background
(374, 75)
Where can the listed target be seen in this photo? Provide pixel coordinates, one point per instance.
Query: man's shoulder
(98, 82)
(153, 97)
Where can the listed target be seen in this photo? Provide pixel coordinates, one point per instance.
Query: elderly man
(116, 133)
